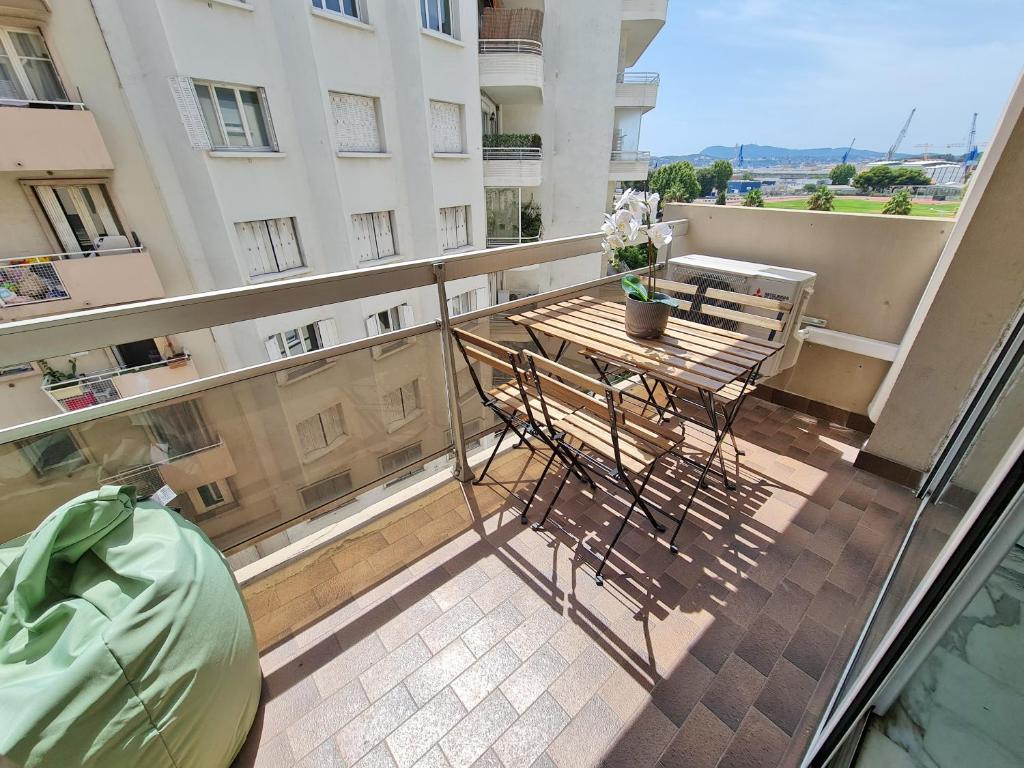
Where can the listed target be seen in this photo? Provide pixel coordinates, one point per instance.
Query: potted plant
(633, 223)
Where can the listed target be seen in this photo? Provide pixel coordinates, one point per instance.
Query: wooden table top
(688, 354)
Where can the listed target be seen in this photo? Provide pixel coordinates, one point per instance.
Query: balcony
(67, 282)
(417, 619)
(118, 383)
(628, 165)
(512, 166)
(183, 472)
(50, 136)
(641, 22)
(637, 90)
(512, 71)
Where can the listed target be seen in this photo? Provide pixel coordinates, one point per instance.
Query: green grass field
(857, 205)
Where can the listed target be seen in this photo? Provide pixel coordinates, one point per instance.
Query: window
(454, 227)
(325, 491)
(52, 452)
(374, 233)
(346, 7)
(306, 338)
(388, 320)
(236, 117)
(321, 431)
(269, 246)
(356, 123)
(15, 370)
(403, 457)
(79, 214)
(437, 15)
(178, 429)
(402, 404)
(26, 69)
(212, 495)
(462, 303)
(446, 127)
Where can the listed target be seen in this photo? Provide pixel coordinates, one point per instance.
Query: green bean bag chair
(124, 641)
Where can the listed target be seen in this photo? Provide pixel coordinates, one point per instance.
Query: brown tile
(758, 743)
(809, 571)
(700, 743)
(584, 740)
(832, 607)
(763, 644)
(785, 696)
(717, 642)
(682, 688)
(642, 741)
(811, 647)
(828, 541)
(810, 516)
(733, 691)
(743, 604)
(787, 605)
(858, 495)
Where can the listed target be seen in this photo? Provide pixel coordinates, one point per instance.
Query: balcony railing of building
(146, 477)
(512, 46)
(513, 153)
(630, 155)
(101, 387)
(38, 104)
(639, 78)
(501, 242)
(35, 279)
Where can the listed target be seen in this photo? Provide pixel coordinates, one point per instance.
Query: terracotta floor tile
(811, 647)
(758, 743)
(763, 644)
(733, 691)
(700, 743)
(785, 695)
(682, 688)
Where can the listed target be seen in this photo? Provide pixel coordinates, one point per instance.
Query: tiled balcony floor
(498, 649)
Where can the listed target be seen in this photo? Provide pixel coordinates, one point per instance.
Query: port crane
(902, 135)
(846, 154)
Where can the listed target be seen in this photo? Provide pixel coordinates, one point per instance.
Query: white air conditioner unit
(112, 242)
(791, 285)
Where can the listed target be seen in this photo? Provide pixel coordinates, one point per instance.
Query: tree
(720, 200)
(754, 199)
(675, 182)
(706, 178)
(821, 199)
(747, 176)
(910, 177)
(811, 187)
(899, 204)
(722, 170)
(884, 177)
(842, 173)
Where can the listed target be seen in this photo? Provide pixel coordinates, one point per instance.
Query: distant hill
(761, 156)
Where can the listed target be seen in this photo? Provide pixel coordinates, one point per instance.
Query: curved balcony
(628, 165)
(512, 71)
(512, 166)
(637, 90)
(641, 22)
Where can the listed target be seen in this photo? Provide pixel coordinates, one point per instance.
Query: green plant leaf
(634, 288)
(667, 300)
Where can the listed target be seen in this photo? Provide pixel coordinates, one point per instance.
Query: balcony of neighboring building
(628, 165)
(512, 160)
(642, 20)
(512, 55)
(49, 284)
(637, 90)
(85, 390)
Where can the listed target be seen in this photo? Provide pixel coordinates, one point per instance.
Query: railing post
(461, 471)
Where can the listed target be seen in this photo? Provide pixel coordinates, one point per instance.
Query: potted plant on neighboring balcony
(632, 223)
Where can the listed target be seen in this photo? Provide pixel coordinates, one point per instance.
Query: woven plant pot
(646, 319)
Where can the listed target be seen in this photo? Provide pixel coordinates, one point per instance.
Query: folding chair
(505, 401)
(621, 446)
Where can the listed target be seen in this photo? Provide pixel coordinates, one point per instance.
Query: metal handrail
(29, 102)
(512, 46)
(629, 155)
(644, 78)
(500, 242)
(513, 153)
(56, 335)
(112, 373)
(118, 478)
(44, 258)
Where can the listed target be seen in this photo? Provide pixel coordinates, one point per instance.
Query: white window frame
(388, 320)
(378, 124)
(406, 400)
(438, 6)
(452, 219)
(329, 430)
(378, 225)
(360, 14)
(15, 59)
(311, 336)
(224, 490)
(463, 302)
(80, 458)
(45, 194)
(254, 273)
(261, 96)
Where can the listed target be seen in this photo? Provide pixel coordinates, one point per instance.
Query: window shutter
(273, 349)
(58, 220)
(256, 247)
(328, 332)
(461, 232)
(188, 107)
(311, 435)
(385, 241)
(363, 231)
(372, 326)
(355, 123)
(408, 319)
(286, 244)
(100, 203)
(410, 397)
(88, 223)
(446, 126)
(333, 422)
(392, 406)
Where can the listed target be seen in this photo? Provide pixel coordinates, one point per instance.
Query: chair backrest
(560, 388)
(490, 353)
(707, 301)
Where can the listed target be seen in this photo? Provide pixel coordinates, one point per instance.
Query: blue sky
(813, 73)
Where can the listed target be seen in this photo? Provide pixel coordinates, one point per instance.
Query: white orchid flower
(660, 234)
(624, 200)
(635, 231)
(615, 241)
(608, 227)
(622, 220)
(652, 203)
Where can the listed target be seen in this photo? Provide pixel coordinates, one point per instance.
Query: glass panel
(254, 116)
(231, 116)
(351, 8)
(10, 88)
(38, 67)
(210, 115)
(432, 20)
(210, 494)
(446, 16)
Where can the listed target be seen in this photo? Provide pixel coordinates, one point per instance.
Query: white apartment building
(161, 147)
